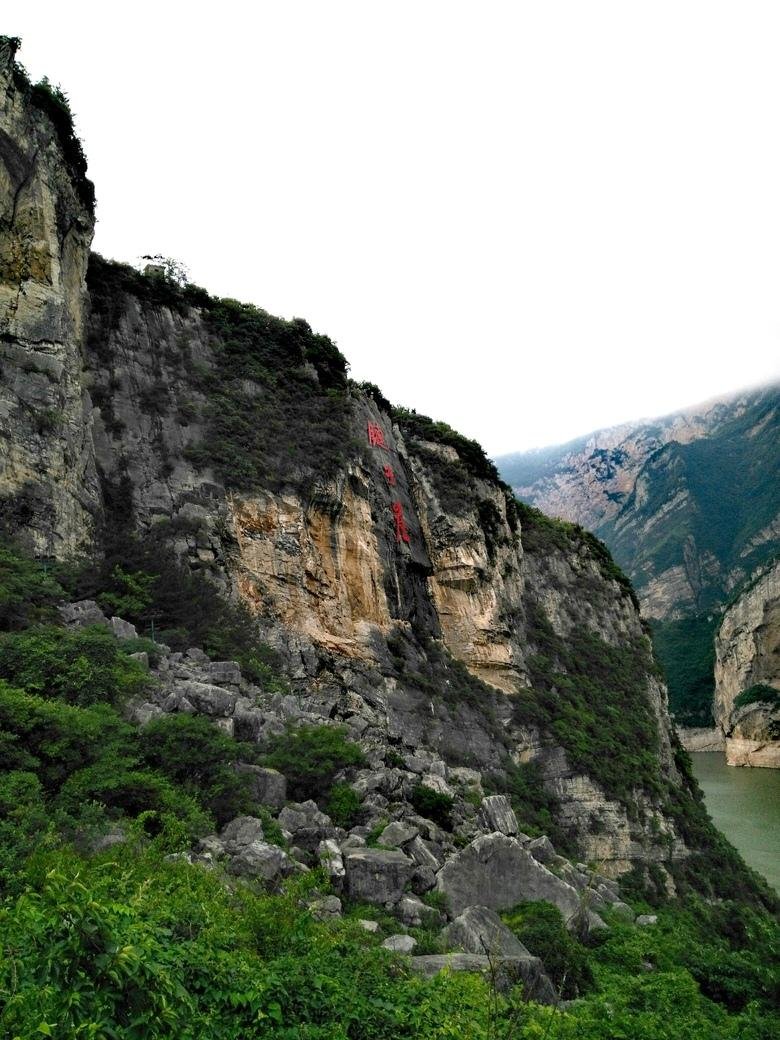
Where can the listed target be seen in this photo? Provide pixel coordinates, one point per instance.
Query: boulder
(506, 973)
(84, 612)
(424, 853)
(326, 908)
(411, 911)
(498, 815)
(543, 850)
(399, 833)
(261, 860)
(644, 920)
(480, 930)
(122, 629)
(400, 943)
(243, 830)
(368, 926)
(496, 871)
(377, 875)
(224, 673)
(268, 786)
(306, 824)
(208, 699)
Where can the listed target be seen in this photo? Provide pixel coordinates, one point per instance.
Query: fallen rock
(268, 786)
(400, 943)
(84, 612)
(507, 972)
(480, 930)
(397, 834)
(329, 855)
(261, 860)
(326, 908)
(377, 875)
(243, 830)
(497, 814)
(496, 871)
(643, 920)
(123, 629)
(208, 699)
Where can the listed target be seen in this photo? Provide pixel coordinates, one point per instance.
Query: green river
(745, 805)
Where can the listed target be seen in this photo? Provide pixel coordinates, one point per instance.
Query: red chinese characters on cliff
(376, 438)
(401, 532)
(389, 475)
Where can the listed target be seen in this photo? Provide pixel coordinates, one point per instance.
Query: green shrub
(28, 591)
(198, 757)
(54, 739)
(343, 805)
(23, 822)
(310, 757)
(126, 791)
(82, 667)
(433, 805)
(541, 928)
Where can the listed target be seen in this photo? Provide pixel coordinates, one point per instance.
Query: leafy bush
(198, 757)
(84, 666)
(23, 821)
(433, 805)
(127, 791)
(28, 591)
(540, 927)
(310, 757)
(343, 805)
(53, 739)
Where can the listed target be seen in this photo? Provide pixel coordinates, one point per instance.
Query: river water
(745, 805)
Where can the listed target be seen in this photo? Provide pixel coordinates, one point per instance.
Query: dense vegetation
(686, 647)
(758, 693)
(278, 409)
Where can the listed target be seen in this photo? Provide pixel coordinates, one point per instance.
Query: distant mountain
(689, 505)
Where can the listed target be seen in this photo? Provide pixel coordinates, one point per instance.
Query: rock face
(48, 481)
(747, 658)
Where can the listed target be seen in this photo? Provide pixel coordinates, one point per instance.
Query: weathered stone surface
(224, 673)
(644, 920)
(208, 699)
(326, 908)
(243, 830)
(123, 629)
(542, 849)
(480, 930)
(508, 972)
(377, 875)
(261, 860)
(84, 612)
(268, 786)
(400, 943)
(498, 815)
(497, 871)
(397, 834)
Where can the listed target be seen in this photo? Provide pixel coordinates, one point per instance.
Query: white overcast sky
(530, 219)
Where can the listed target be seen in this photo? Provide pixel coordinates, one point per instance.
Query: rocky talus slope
(466, 644)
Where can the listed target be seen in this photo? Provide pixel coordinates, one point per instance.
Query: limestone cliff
(48, 478)
(380, 553)
(747, 670)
